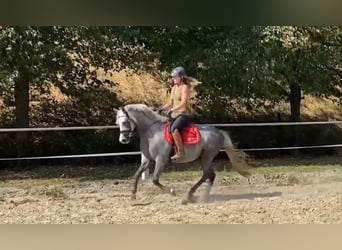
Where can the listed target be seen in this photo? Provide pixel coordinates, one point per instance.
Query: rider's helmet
(178, 71)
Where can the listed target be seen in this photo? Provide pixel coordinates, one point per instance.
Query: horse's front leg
(143, 166)
(160, 164)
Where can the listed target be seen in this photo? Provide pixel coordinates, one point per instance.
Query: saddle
(190, 134)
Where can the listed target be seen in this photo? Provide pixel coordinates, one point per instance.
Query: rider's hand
(169, 112)
(160, 111)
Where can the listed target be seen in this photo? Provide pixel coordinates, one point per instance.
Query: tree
(298, 61)
(63, 55)
(271, 62)
(218, 55)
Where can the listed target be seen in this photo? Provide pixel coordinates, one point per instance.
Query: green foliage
(309, 56)
(251, 63)
(231, 61)
(63, 55)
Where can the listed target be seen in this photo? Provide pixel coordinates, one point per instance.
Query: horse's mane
(147, 111)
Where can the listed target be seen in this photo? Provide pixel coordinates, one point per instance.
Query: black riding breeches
(180, 122)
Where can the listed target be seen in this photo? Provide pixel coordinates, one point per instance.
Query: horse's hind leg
(208, 173)
(211, 179)
(160, 164)
(143, 166)
(204, 177)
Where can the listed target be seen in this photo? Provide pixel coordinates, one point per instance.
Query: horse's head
(126, 125)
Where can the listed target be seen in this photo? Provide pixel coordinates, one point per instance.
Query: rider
(178, 102)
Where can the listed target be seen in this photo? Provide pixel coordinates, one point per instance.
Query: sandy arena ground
(270, 198)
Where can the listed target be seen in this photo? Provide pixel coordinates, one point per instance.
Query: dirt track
(272, 198)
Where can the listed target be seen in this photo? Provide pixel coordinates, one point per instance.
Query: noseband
(130, 130)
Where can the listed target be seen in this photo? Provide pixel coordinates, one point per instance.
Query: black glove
(168, 113)
(160, 111)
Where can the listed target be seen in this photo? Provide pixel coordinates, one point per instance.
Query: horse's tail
(236, 156)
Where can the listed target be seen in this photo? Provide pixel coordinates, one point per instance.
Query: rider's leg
(177, 126)
(179, 145)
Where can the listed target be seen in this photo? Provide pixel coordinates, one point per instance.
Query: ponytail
(192, 82)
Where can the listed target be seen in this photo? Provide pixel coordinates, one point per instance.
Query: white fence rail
(4, 130)
(258, 124)
(138, 152)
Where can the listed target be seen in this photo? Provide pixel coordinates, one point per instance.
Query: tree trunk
(295, 99)
(21, 95)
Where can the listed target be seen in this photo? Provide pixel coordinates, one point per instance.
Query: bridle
(128, 131)
(131, 132)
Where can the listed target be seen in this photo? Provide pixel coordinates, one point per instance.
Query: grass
(292, 180)
(45, 183)
(54, 192)
(48, 177)
(296, 169)
(146, 87)
(290, 170)
(151, 89)
(335, 178)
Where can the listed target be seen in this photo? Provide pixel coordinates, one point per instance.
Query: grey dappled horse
(153, 146)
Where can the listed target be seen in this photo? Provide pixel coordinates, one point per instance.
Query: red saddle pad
(190, 134)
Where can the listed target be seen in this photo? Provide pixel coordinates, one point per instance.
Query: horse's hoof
(173, 192)
(184, 202)
(205, 196)
(191, 199)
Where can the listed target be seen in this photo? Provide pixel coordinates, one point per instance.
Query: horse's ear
(115, 110)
